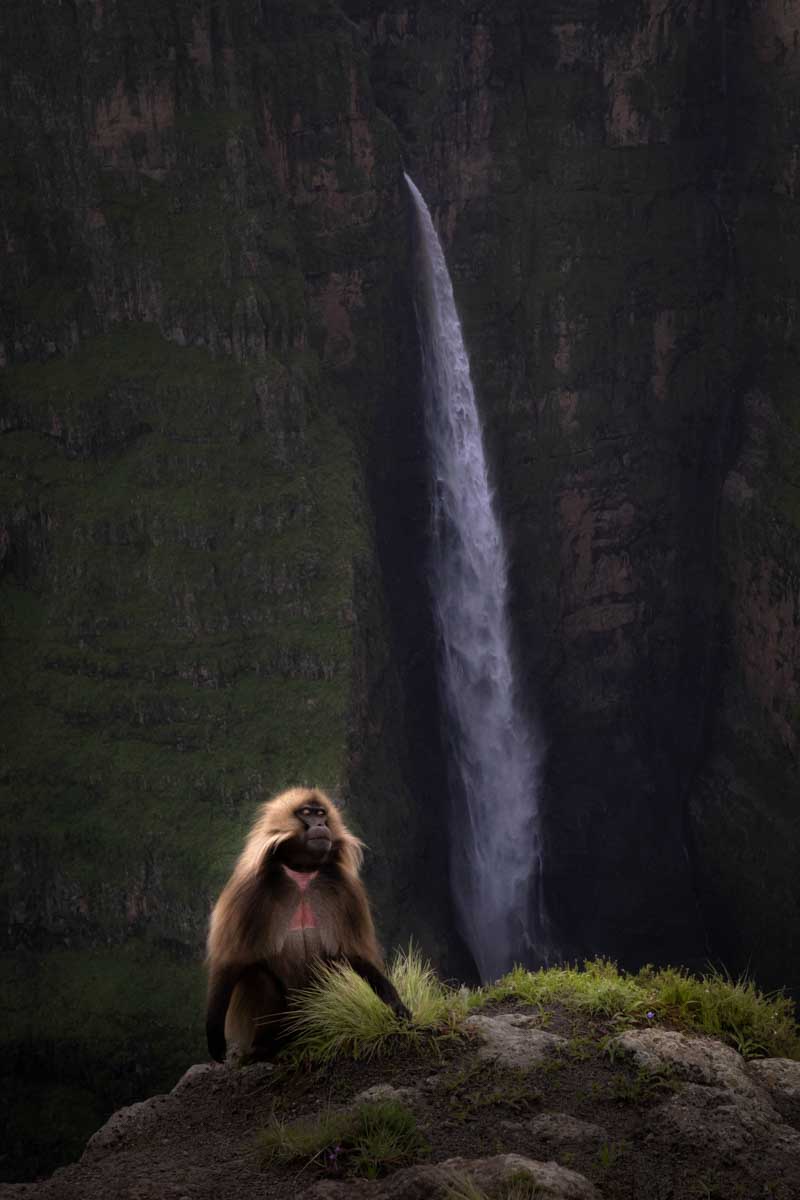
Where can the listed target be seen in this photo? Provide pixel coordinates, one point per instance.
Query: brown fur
(254, 960)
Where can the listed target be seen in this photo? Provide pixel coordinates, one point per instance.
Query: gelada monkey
(294, 900)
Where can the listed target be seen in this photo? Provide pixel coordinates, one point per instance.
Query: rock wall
(205, 329)
(213, 489)
(615, 183)
(743, 803)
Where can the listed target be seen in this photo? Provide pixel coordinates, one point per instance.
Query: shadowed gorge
(214, 507)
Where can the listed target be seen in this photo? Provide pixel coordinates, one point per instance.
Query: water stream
(494, 754)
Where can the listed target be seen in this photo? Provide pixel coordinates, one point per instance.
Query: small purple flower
(650, 1015)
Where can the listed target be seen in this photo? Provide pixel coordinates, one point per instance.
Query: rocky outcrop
(514, 1039)
(546, 1179)
(699, 1060)
(715, 1123)
(781, 1076)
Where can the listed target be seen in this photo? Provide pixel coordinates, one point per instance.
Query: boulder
(780, 1076)
(514, 1039)
(697, 1059)
(551, 1181)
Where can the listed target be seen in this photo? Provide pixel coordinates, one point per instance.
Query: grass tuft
(519, 1185)
(368, 1141)
(339, 1014)
(735, 1011)
(599, 989)
(463, 1187)
(646, 1085)
(470, 1090)
(754, 1023)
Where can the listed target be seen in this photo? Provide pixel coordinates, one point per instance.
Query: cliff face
(203, 313)
(743, 805)
(213, 504)
(616, 185)
(578, 175)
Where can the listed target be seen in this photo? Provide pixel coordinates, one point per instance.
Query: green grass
(599, 988)
(470, 1090)
(194, 654)
(182, 650)
(519, 1185)
(609, 1154)
(644, 1086)
(462, 1187)
(736, 1011)
(368, 1140)
(339, 1014)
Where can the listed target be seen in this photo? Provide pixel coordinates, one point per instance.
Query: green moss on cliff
(177, 642)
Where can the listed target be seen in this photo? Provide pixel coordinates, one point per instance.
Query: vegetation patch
(472, 1089)
(340, 1017)
(646, 1085)
(754, 1023)
(599, 988)
(367, 1140)
(519, 1185)
(339, 1014)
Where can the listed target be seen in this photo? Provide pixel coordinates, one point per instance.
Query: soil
(199, 1141)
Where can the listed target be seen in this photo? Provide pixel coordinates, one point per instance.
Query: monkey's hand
(217, 1046)
(400, 1011)
(381, 986)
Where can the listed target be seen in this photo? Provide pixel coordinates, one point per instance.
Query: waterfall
(494, 757)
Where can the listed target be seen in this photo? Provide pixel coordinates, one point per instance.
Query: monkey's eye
(307, 811)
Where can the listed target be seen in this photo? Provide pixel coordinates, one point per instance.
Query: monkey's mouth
(318, 839)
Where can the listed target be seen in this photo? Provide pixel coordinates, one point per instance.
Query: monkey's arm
(359, 947)
(220, 989)
(381, 986)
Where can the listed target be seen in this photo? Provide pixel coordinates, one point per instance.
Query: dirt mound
(583, 1115)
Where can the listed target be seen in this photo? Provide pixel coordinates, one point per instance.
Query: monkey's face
(312, 843)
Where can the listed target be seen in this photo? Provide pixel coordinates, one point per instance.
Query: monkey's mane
(276, 823)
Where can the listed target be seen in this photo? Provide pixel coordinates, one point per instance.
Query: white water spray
(495, 759)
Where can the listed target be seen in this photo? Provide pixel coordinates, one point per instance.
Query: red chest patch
(304, 917)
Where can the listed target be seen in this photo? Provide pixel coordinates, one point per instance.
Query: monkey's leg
(383, 988)
(220, 989)
(267, 1005)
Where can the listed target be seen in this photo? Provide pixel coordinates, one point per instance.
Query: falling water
(495, 852)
